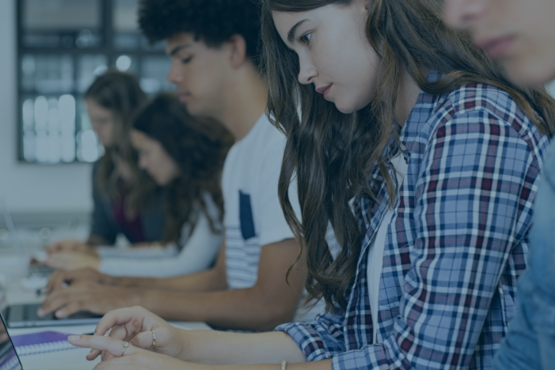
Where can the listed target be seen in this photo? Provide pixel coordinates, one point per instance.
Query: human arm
(199, 347)
(97, 240)
(198, 254)
(140, 359)
(269, 302)
(209, 280)
(72, 261)
(72, 245)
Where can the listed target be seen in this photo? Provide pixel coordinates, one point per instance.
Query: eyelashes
(305, 39)
(186, 60)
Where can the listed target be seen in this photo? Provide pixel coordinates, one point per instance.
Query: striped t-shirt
(253, 215)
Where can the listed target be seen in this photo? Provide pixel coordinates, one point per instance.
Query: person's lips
(324, 90)
(495, 47)
(184, 97)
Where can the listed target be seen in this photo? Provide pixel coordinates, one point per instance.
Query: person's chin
(194, 108)
(345, 108)
(530, 72)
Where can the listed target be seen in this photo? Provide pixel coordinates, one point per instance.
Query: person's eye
(305, 39)
(186, 60)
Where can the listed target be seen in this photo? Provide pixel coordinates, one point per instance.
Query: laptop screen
(8, 357)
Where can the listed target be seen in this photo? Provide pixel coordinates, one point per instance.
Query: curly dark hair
(212, 21)
(199, 147)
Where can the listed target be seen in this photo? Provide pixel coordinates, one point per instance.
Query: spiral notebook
(46, 341)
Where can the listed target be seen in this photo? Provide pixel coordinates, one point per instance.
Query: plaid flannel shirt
(455, 247)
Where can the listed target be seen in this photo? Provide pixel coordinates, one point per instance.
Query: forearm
(239, 349)
(320, 365)
(96, 240)
(205, 281)
(245, 309)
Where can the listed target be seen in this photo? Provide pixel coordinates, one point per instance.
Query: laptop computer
(9, 360)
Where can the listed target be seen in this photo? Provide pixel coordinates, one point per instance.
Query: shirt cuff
(369, 357)
(310, 342)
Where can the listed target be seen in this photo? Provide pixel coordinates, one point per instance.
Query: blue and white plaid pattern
(455, 246)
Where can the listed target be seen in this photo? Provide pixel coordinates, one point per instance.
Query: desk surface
(13, 270)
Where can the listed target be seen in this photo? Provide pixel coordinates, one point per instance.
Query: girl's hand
(69, 246)
(72, 261)
(129, 357)
(60, 279)
(138, 326)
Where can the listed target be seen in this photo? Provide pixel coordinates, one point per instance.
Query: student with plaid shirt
(425, 161)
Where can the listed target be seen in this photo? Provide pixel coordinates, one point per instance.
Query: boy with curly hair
(214, 47)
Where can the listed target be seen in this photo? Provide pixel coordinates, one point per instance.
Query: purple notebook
(46, 341)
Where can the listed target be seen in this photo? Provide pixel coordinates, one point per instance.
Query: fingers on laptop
(56, 281)
(65, 302)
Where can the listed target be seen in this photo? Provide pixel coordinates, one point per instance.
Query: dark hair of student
(331, 154)
(212, 21)
(199, 147)
(121, 94)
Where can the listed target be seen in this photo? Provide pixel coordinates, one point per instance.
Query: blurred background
(50, 52)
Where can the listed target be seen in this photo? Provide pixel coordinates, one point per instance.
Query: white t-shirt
(253, 214)
(377, 246)
(198, 252)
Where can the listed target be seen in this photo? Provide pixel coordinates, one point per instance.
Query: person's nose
(307, 72)
(143, 163)
(174, 75)
(460, 14)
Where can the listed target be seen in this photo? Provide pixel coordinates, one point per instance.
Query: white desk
(73, 359)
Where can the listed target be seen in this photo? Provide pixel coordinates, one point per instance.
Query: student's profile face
(334, 53)
(199, 73)
(154, 159)
(520, 34)
(102, 121)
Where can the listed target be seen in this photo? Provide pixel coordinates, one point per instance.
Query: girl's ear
(366, 6)
(238, 49)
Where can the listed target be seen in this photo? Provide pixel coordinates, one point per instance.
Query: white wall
(25, 187)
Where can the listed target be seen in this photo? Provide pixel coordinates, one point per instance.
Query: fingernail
(40, 312)
(74, 338)
(60, 314)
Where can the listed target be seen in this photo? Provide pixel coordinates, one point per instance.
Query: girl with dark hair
(424, 159)
(126, 200)
(185, 157)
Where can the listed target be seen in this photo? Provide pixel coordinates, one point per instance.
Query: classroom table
(13, 269)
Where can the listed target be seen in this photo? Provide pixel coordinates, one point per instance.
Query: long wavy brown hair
(121, 94)
(332, 154)
(199, 147)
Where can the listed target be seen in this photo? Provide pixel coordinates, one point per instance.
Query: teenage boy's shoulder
(262, 147)
(251, 175)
